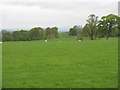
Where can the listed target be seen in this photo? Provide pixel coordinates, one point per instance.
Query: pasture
(65, 64)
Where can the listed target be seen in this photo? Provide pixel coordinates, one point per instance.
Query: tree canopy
(108, 23)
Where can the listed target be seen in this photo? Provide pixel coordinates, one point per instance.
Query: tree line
(107, 26)
(36, 33)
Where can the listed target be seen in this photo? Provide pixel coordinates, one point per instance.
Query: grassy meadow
(0, 66)
(60, 63)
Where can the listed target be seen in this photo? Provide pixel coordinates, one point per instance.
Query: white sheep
(79, 40)
(45, 40)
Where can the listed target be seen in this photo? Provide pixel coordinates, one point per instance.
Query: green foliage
(6, 36)
(73, 31)
(21, 35)
(77, 31)
(36, 33)
(85, 30)
(51, 33)
(107, 24)
(91, 26)
(55, 31)
(80, 32)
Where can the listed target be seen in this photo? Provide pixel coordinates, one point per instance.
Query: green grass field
(0, 66)
(66, 64)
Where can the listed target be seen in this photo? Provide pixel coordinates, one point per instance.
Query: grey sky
(62, 14)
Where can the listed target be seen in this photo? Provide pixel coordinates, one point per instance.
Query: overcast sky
(61, 13)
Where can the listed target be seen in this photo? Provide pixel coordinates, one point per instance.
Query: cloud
(61, 14)
(59, 0)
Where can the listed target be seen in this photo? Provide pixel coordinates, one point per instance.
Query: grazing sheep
(79, 40)
(45, 40)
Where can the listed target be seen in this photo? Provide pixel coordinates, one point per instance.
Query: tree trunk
(91, 37)
(95, 37)
(106, 37)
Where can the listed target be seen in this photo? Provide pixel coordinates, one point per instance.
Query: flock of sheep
(61, 41)
(47, 41)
